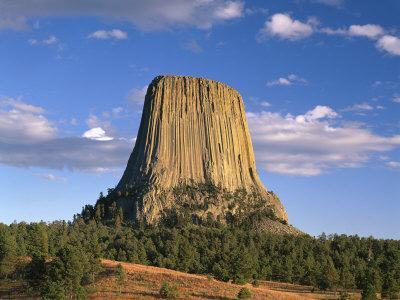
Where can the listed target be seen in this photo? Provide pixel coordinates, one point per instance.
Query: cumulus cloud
(384, 42)
(371, 31)
(310, 144)
(389, 43)
(146, 15)
(97, 133)
(115, 34)
(23, 123)
(136, 95)
(288, 80)
(396, 99)
(307, 144)
(283, 26)
(29, 139)
(229, 10)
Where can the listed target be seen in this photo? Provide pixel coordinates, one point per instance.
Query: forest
(62, 258)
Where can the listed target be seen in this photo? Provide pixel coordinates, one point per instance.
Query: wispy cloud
(193, 46)
(313, 143)
(146, 15)
(336, 3)
(51, 177)
(115, 34)
(393, 164)
(51, 40)
(136, 95)
(359, 107)
(288, 80)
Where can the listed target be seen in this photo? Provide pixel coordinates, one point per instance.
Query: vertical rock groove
(192, 131)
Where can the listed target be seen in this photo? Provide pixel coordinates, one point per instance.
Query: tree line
(65, 255)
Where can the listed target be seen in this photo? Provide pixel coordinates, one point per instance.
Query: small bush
(244, 293)
(239, 280)
(255, 283)
(169, 291)
(369, 293)
(344, 295)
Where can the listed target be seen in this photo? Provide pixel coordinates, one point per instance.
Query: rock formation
(193, 152)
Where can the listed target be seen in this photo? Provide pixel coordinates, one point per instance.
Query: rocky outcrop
(193, 137)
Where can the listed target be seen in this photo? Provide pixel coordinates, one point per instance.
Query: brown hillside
(144, 282)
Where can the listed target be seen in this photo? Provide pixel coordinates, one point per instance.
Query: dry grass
(144, 282)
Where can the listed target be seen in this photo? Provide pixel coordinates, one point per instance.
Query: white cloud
(146, 15)
(283, 26)
(73, 153)
(359, 107)
(385, 42)
(319, 112)
(23, 123)
(97, 134)
(390, 44)
(51, 177)
(393, 164)
(29, 139)
(51, 40)
(288, 80)
(265, 104)
(229, 10)
(21, 106)
(371, 31)
(136, 95)
(336, 3)
(310, 144)
(396, 99)
(92, 121)
(331, 31)
(115, 34)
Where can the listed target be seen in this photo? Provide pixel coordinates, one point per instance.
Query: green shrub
(239, 280)
(169, 291)
(369, 293)
(244, 293)
(255, 283)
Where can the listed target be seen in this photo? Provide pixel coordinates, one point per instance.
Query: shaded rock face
(193, 135)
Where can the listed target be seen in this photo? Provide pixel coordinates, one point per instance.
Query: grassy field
(144, 282)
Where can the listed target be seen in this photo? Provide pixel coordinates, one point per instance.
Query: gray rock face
(193, 135)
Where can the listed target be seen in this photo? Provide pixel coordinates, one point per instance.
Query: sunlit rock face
(193, 151)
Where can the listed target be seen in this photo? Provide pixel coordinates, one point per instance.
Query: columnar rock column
(193, 131)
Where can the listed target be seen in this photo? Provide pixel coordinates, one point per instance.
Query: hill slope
(144, 282)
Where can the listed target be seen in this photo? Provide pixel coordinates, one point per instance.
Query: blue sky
(320, 80)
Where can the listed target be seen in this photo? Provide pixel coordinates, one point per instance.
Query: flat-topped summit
(193, 150)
